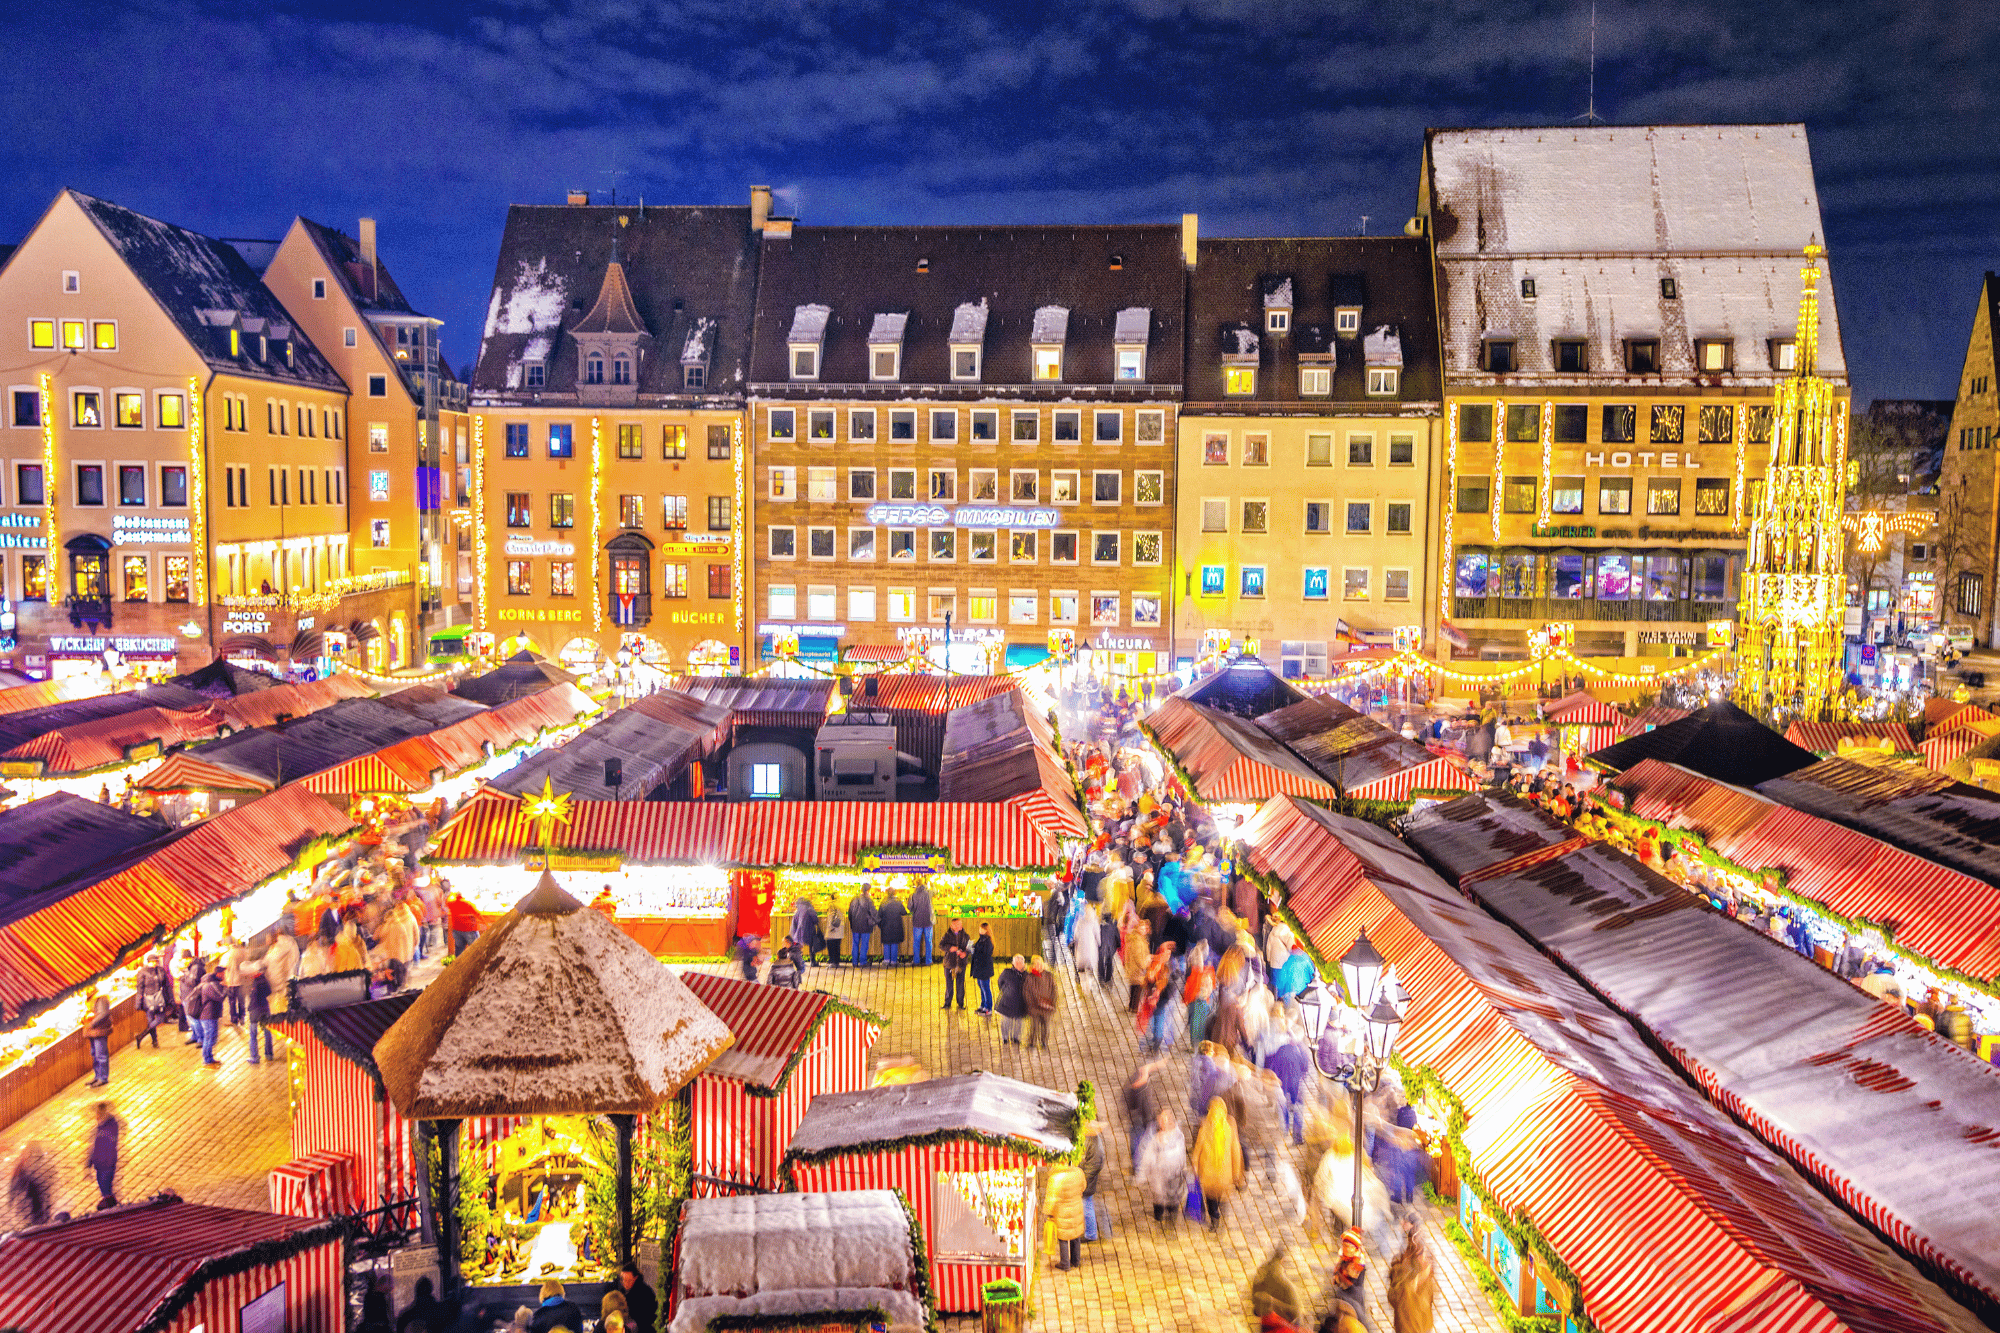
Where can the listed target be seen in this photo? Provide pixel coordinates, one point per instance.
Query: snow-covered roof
(888, 328)
(968, 322)
(1239, 341)
(808, 323)
(532, 303)
(554, 1010)
(1383, 347)
(1051, 324)
(1278, 293)
(1134, 326)
(1038, 1118)
(804, 1254)
(1723, 210)
(700, 342)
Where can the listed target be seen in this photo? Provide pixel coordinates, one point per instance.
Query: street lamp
(1382, 1021)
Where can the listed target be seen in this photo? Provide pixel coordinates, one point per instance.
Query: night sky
(1267, 117)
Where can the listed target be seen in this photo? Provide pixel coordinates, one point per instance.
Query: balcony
(88, 612)
(631, 610)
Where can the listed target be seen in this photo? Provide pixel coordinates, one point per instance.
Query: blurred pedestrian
(922, 924)
(957, 947)
(102, 1158)
(258, 1010)
(1039, 990)
(97, 1027)
(1096, 1226)
(891, 919)
(1162, 1174)
(1217, 1160)
(1013, 1005)
(1412, 1284)
(834, 930)
(155, 998)
(31, 1184)
(1273, 1292)
(1065, 1211)
(980, 967)
(804, 931)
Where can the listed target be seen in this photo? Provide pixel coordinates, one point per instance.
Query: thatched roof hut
(553, 1011)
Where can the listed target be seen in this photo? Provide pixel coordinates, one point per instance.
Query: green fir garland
(1086, 1111)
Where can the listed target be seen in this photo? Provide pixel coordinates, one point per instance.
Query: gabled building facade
(1306, 447)
(173, 439)
(607, 433)
(1616, 306)
(408, 449)
(964, 439)
(1964, 556)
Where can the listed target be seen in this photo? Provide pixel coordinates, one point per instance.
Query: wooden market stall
(1584, 722)
(799, 1263)
(790, 1047)
(164, 1266)
(557, 1019)
(340, 1107)
(965, 1151)
(1840, 738)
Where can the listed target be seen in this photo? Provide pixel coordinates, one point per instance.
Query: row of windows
(631, 440)
(1024, 485)
(1357, 516)
(519, 508)
(1024, 546)
(1522, 495)
(134, 482)
(91, 575)
(76, 335)
(313, 486)
(561, 578)
(1256, 449)
(1607, 576)
(1618, 423)
(1357, 583)
(86, 408)
(1975, 437)
(1638, 356)
(885, 363)
(983, 606)
(1024, 426)
(280, 418)
(1314, 381)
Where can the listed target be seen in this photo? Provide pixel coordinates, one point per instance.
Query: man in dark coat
(1039, 990)
(921, 924)
(103, 1157)
(639, 1299)
(211, 999)
(1013, 1005)
(981, 967)
(889, 920)
(861, 924)
(805, 928)
(957, 953)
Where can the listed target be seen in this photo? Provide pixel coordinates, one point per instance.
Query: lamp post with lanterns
(1382, 1019)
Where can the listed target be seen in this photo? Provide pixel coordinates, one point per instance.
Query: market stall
(799, 1263)
(558, 1022)
(790, 1047)
(338, 1103)
(965, 1151)
(1860, 738)
(164, 1266)
(1584, 722)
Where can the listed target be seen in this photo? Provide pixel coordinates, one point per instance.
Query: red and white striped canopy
(1583, 709)
(1229, 759)
(1825, 737)
(1440, 774)
(1939, 751)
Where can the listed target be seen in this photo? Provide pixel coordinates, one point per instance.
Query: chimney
(760, 206)
(579, 198)
(1190, 232)
(368, 260)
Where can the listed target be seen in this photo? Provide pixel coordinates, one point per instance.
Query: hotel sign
(530, 546)
(965, 516)
(1670, 458)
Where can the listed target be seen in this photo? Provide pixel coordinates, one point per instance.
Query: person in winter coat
(1142, 1105)
(556, 1311)
(1013, 1004)
(464, 920)
(1261, 1119)
(1055, 911)
(639, 1299)
(889, 920)
(1135, 947)
(257, 1010)
(1412, 1284)
(957, 953)
(31, 1184)
(1065, 1208)
(1039, 990)
(785, 968)
(1200, 1006)
(155, 998)
(97, 1027)
(233, 959)
(861, 921)
(1163, 1168)
(1083, 938)
(804, 930)
(921, 924)
(1226, 1028)
(1217, 1160)
(1278, 945)
(1293, 1066)
(835, 928)
(211, 1000)
(103, 1156)
(281, 964)
(349, 953)
(1107, 950)
(980, 967)
(1272, 1292)
(190, 990)
(1093, 1171)
(397, 940)
(1294, 976)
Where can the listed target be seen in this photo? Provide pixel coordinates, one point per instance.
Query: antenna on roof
(614, 173)
(1364, 224)
(1590, 116)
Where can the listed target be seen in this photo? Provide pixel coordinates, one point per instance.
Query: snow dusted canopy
(1051, 324)
(1038, 1118)
(1134, 327)
(552, 1011)
(1383, 347)
(887, 330)
(797, 1254)
(968, 322)
(809, 323)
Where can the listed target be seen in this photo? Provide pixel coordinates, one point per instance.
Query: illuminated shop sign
(130, 529)
(29, 540)
(529, 546)
(965, 516)
(1671, 458)
(94, 646)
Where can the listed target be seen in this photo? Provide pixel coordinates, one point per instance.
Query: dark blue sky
(1264, 116)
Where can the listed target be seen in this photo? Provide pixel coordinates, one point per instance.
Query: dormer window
(537, 374)
(965, 363)
(621, 370)
(1382, 381)
(593, 369)
(1382, 350)
(1642, 356)
(1132, 330)
(805, 363)
(885, 346)
(808, 332)
(1713, 356)
(263, 348)
(1277, 304)
(1571, 355)
(1496, 356)
(236, 342)
(1315, 377)
(1347, 320)
(1527, 289)
(695, 352)
(968, 339)
(1784, 355)
(1277, 321)
(1239, 359)
(1050, 332)
(694, 377)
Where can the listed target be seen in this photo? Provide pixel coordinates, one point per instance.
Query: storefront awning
(890, 653)
(1026, 655)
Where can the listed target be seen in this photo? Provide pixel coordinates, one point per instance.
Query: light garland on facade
(596, 523)
(1561, 657)
(451, 672)
(1449, 507)
(479, 521)
(1499, 462)
(1742, 444)
(740, 519)
(1548, 453)
(49, 526)
(197, 492)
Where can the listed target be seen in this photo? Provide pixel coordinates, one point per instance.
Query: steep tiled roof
(1388, 277)
(1061, 283)
(614, 311)
(681, 265)
(343, 251)
(189, 274)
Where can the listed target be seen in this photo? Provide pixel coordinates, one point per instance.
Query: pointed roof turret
(614, 312)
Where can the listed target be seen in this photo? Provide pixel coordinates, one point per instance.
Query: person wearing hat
(97, 1026)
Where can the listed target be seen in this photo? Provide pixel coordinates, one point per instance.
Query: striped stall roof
(1583, 709)
(1943, 716)
(890, 653)
(1941, 751)
(1649, 717)
(1634, 1180)
(165, 1264)
(185, 772)
(91, 924)
(1441, 773)
(1825, 737)
(411, 765)
(1854, 1092)
(1933, 912)
(263, 708)
(772, 1025)
(105, 741)
(48, 693)
(341, 1106)
(1229, 758)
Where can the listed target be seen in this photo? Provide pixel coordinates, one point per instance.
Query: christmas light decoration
(1499, 462)
(1450, 505)
(1794, 579)
(49, 526)
(197, 509)
(596, 523)
(740, 520)
(1742, 445)
(479, 521)
(1548, 450)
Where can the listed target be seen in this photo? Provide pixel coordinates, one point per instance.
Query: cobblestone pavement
(1146, 1278)
(210, 1135)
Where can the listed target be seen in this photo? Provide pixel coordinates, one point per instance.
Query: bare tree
(1959, 546)
(1885, 451)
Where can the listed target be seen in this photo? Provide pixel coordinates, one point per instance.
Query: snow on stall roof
(888, 327)
(769, 1243)
(1383, 347)
(1134, 326)
(809, 323)
(1051, 324)
(532, 303)
(1278, 293)
(700, 334)
(554, 1010)
(968, 322)
(1040, 1118)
